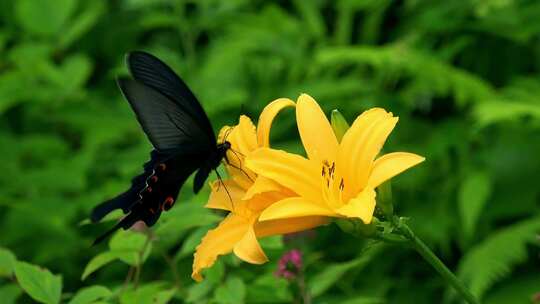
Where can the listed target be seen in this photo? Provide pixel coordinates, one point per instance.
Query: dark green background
(463, 76)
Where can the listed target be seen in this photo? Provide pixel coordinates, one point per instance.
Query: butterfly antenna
(225, 187)
(227, 133)
(242, 109)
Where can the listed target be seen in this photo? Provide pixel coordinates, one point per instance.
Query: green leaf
(97, 262)
(494, 258)
(495, 111)
(82, 23)
(273, 242)
(9, 293)
(128, 246)
(364, 300)
(213, 275)
(7, 262)
(39, 283)
(198, 291)
(75, 71)
(43, 17)
(90, 295)
(11, 89)
(333, 273)
(184, 217)
(191, 242)
(267, 289)
(329, 276)
(153, 293)
(473, 195)
(518, 289)
(232, 292)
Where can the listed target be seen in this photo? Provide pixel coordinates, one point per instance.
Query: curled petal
(291, 171)
(294, 207)
(390, 165)
(362, 206)
(218, 241)
(316, 133)
(249, 250)
(242, 137)
(289, 225)
(267, 116)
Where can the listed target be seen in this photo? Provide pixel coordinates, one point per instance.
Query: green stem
(432, 259)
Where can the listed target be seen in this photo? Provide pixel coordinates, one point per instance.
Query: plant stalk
(435, 262)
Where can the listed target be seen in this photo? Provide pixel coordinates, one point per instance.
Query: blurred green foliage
(463, 75)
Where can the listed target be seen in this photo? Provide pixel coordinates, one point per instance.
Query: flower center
(333, 190)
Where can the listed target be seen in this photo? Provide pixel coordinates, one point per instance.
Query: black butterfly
(182, 136)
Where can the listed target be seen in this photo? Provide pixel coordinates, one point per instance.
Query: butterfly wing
(167, 126)
(128, 198)
(152, 72)
(180, 132)
(153, 191)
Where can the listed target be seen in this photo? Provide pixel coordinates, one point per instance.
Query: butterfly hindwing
(128, 198)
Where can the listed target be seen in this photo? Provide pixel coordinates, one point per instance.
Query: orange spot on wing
(168, 203)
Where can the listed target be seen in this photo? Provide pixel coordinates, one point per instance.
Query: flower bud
(339, 124)
(357, 227)
(384, 199)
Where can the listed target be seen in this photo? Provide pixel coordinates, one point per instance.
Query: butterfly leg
(224, 187)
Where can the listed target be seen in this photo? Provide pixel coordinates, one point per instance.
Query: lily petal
(316, 133)
(261, 185)
(390, 165)
(366, 138)
(290, 225)
(249, 250)
(294, 207)
(351, 142)
(218, 241)
(362, 206)
(373, 145)
(243, 140)
(219, 199)
(290, 170)
(243, 137)
(267, 116)
(261, 201)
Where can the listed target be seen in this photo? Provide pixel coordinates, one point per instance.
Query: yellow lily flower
(337, 179)
(239, 231)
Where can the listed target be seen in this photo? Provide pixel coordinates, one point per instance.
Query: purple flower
(290, 265)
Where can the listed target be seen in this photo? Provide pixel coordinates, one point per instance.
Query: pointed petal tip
(197, 277)
(304, 97)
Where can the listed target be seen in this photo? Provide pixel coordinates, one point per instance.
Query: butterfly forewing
(167, 126)
(151, 71)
